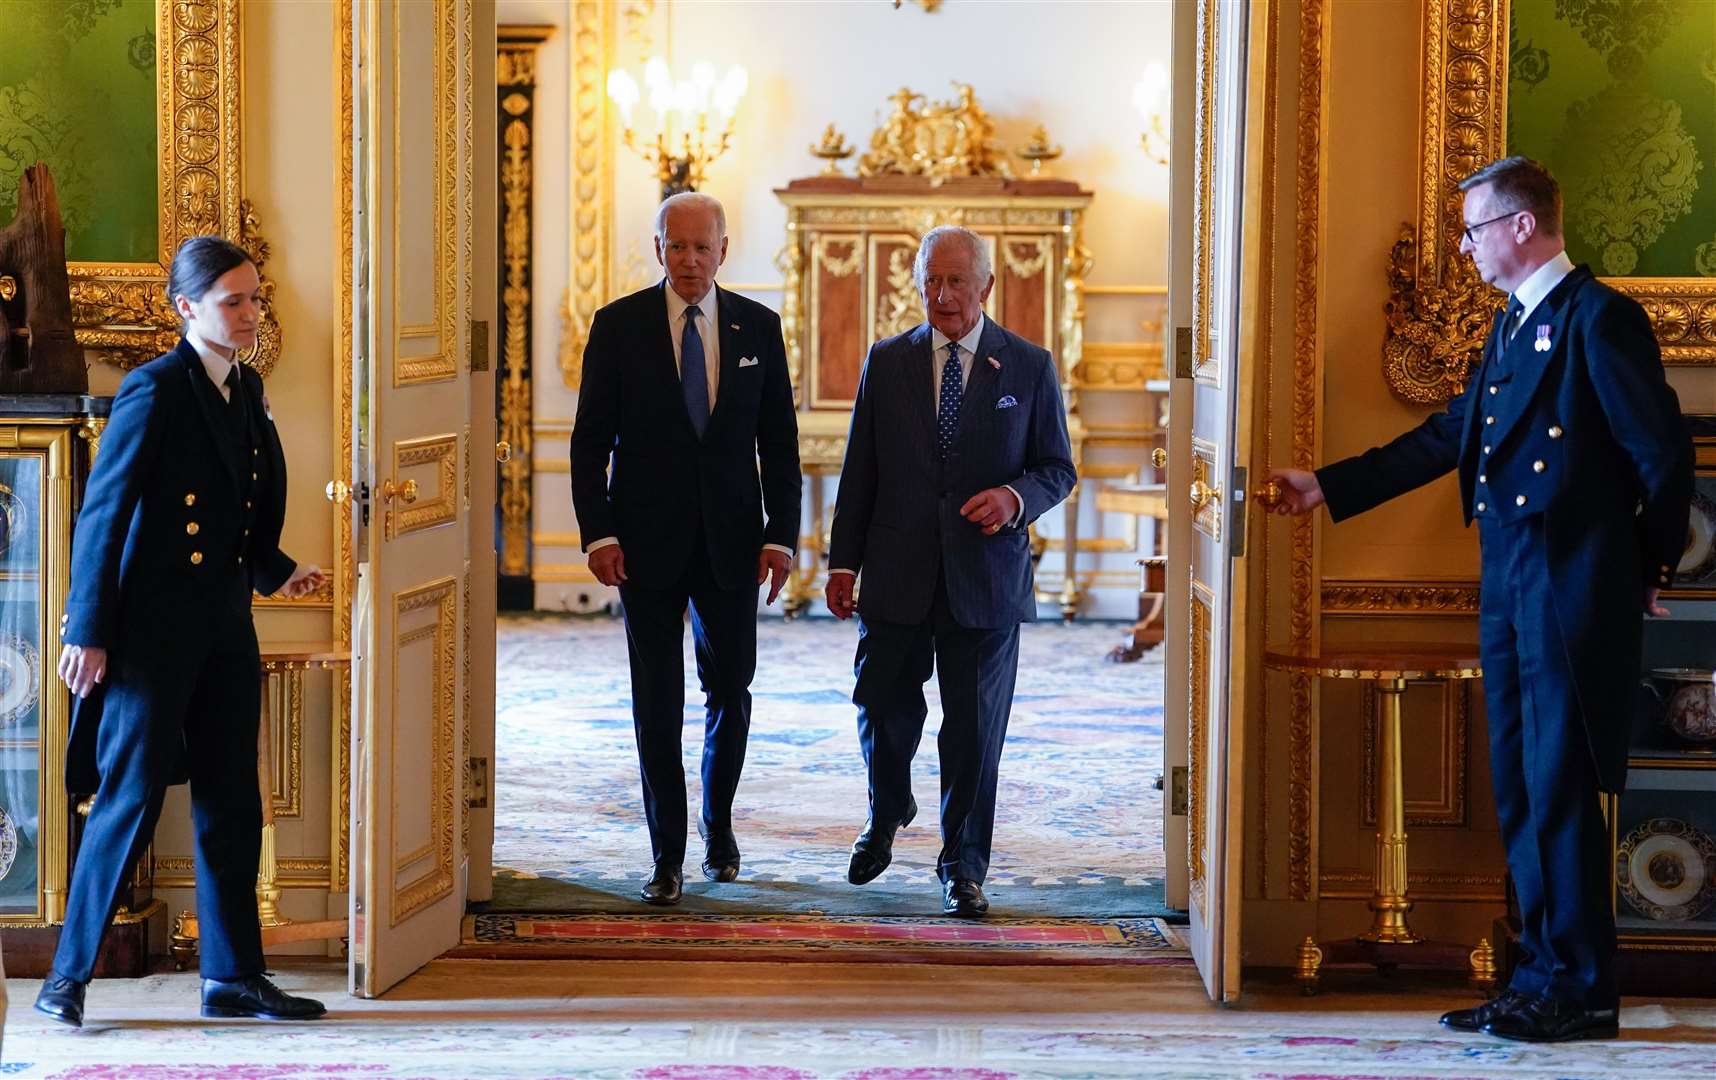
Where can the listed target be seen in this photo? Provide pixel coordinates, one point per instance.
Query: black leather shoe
(1543, 1020)
(255, 996)
(721, 856)
(62, 999)
(1475, 1018)
(964, 900)
(664, 886)
(874, 848)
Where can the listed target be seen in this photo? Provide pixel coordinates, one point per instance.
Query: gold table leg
(1389, 900)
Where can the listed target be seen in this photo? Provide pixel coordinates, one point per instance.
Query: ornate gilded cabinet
(1664, 825)
(848, 265)
(45, 447)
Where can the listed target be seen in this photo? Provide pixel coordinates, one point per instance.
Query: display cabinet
(46, 443)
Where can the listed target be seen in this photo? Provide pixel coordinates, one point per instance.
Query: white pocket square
(747, 361)
(1007, 402)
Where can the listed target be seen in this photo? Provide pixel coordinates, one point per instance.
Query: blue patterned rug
(1079, 821)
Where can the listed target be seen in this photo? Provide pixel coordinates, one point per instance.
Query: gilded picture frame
(120, 309)
(1439, 311)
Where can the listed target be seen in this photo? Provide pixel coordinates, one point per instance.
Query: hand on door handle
(407, 491)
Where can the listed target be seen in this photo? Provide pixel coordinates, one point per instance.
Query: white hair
(979, 252)
(691, 200)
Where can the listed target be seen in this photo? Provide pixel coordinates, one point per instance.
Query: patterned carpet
(1077, 805)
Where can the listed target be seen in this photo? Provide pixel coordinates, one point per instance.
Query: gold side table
(1390, 942)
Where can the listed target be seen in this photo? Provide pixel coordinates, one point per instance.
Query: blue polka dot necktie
(693, 376)
(947, 407)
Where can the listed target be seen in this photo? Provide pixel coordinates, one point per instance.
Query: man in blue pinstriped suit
(958, 442)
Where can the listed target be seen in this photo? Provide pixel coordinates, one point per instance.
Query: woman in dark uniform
(180, 524)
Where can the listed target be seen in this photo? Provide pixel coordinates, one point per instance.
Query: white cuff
(841, 570)
(605, 541)
(783, 549)
(1019, 513)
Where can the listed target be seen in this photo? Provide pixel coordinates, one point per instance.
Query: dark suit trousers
(977, 671)
(166, 698)
(1547, 795)
(724, 636)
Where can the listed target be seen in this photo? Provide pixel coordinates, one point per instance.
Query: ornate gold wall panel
(1344, 883)
(286, 708)
(1439, 311)
(1400, 597)
(345, 567)
(1202, 622)
(441, 361)
(120, 310)
(1119, 365)
(1452, 739)
(592, 182)
(424, 874)
(1204, 367)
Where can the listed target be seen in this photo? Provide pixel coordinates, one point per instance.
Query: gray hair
(979, 252)
(690, 200)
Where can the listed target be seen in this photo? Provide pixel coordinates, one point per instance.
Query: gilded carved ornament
(937, 139)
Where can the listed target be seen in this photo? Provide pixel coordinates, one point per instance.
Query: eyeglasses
(1471, 231)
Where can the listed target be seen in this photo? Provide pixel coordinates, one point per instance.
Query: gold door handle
(339, 492)
(1159, 458)
(1203, 495)
(503, 451)
(407, 491)
(1269, 496)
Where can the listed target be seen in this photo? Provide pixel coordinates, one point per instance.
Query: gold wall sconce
(1150, 96)
(693, 118)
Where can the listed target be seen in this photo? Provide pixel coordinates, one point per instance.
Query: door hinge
(477, 784)
(1182, 352)
(479, 344)
(1178, 798)
(1236, 510)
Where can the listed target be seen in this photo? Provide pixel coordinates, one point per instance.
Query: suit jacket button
(1486, 449)
(1519, 500)
(196, 558)
(192, 528)
(1554, 431)
(1481, 508)
(1493, 389)
(1482, 479)
(190, 498)
(1489, 419)
(1538, 466)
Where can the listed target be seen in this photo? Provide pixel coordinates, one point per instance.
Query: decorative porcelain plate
(12, 518)
(8, 843)
(1666, 869)
(1691, 713)
(1700, 556)
(20, 677)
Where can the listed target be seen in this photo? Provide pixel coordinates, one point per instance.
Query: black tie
(1510, 324)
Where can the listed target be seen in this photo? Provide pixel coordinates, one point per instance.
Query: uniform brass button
(1482, 508)
(1555, 431)
(247, 504)
(1492, 389)
(253, 476)
(1538, 466)
(1519, 500)
(1489, 419)
(255, 452)
(190, 498)
(192, 528)
(241, 558)
(1483, 479)
(196, 558)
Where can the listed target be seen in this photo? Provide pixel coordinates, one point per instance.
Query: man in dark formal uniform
(1575, 462)
(180, 523)
(958, 443)
(686, 391)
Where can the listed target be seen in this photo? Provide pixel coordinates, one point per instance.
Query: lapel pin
(994, 363)
(732, 326)
(1542, 343)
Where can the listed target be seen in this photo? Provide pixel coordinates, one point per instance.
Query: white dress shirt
(710, 331)
(216, 365)
(1534, 289)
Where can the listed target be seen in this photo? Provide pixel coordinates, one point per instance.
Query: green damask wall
(1618, 98)
(77, 90)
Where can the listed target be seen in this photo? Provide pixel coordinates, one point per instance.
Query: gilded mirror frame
(1439, 311)
(120, 310)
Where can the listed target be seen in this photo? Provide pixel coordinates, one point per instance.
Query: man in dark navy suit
(958, 442)
(180, 524)
(1575, 461)
(686, 391)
